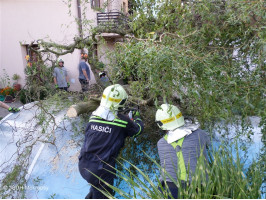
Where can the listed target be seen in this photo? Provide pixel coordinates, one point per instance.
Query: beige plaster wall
(0, 40)
(23, 21)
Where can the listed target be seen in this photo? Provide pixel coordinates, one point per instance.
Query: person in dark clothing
(180, 147)
(84, 73)
(105, 135)
(104, 80)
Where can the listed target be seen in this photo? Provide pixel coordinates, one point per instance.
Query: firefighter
(104, 137)
(179, 148)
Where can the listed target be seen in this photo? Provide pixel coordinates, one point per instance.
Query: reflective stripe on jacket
(104, 139)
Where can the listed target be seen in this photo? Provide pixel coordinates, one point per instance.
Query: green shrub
(39, 79)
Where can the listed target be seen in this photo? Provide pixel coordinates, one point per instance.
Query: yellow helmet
(114, 97)
(169, 117)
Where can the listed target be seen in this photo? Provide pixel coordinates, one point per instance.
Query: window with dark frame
(33, 56)
(95, 4)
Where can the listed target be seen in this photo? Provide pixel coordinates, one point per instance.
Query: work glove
(135, 114)
(13, 110)
(56, 86)
(68, 85)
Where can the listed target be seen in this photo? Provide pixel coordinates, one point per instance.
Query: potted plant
(8, 94)
(16, 85)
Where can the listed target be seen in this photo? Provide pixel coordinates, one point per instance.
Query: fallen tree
(211, 56)
(83, 107)
(93, 103)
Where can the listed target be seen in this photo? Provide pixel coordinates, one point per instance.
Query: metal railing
(112, 20)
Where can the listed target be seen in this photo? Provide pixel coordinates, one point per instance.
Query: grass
(226, 179)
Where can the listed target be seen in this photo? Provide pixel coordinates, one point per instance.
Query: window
(33, 55)
(95, 4)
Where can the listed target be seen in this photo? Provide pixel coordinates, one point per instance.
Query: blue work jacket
(104, 139)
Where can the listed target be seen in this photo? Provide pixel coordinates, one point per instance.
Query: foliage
(5, 79)
(133, 5)
(13, 183)
(24, 97)
(33, 94)
(226, 179)
(15, 77)
(7, 91)
(208, 54)
(39, 79)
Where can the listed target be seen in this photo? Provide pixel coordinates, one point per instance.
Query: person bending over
(104, 137)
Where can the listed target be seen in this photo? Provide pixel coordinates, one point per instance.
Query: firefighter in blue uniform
(104, 137)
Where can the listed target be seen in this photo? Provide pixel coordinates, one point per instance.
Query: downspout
(79, 19)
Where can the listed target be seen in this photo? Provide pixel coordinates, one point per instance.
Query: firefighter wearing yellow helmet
(105, 136)
(180, 147)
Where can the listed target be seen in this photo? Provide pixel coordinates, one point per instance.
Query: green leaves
(209, 53)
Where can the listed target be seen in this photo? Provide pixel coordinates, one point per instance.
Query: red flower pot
(17, 87)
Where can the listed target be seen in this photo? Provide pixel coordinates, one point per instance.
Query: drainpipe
(79, 19)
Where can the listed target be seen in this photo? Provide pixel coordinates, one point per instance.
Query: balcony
(112, 24)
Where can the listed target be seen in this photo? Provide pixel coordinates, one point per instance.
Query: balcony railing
(112, 20)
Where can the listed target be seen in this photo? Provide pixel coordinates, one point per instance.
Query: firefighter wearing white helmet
(114, 97)
(179, 148)
(105, 136)
(169, 117)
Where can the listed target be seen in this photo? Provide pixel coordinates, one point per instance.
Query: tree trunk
(93, 103)
(83, 107)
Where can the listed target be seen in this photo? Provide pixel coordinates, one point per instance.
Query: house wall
(107, 40)
(0, 41)
(25, 21)
(116, 5)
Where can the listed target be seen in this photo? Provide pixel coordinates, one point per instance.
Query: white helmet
(60, 60)
(169, 117)
(114, 97)
(102, 74)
